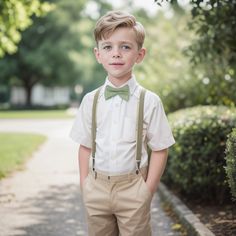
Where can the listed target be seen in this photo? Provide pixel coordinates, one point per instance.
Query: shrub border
(230, 154)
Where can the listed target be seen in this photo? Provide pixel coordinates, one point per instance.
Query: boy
(117, 188)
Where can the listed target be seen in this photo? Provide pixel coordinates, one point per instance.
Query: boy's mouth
(117, 64)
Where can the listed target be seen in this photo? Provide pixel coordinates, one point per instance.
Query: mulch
(220, 219)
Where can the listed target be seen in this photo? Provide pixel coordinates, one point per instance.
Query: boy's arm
(84, 154)
(156, 168)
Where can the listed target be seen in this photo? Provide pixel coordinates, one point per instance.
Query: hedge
(231, 162)
(196, 162)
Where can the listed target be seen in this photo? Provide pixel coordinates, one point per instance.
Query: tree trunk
(29, 83)
(28, 90)
(28, 86)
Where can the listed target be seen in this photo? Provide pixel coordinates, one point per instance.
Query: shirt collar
(132, 83)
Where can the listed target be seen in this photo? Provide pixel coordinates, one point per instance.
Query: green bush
(196, 162)
(231, 162)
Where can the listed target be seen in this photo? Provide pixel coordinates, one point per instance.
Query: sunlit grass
(15, 149)
(35, 114)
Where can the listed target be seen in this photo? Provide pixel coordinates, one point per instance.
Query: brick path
(44, 198)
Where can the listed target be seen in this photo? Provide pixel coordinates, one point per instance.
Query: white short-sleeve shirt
(116, 128)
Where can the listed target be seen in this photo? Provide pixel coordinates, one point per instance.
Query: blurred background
(47, 64)
(47, 60)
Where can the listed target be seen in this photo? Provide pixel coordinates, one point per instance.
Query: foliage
(48, 58)
(214, 23)
(15, 16)
(215, 47)
(196, 162)
(15, 149)
(4, 94)
(213, 51)
(231, 162)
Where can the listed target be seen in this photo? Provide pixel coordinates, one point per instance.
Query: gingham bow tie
(123, 92)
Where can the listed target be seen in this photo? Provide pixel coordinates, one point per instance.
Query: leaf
(176, 226)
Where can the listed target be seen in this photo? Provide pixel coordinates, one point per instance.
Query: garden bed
(220, 219)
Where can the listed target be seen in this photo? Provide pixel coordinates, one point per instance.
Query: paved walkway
(44, 198)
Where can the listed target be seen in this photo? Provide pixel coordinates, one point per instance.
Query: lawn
(35, 114)
(16, 149)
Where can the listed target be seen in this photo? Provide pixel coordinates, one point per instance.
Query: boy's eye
(107, 47)
(126, 47)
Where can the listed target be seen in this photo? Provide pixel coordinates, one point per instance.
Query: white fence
(41, 95)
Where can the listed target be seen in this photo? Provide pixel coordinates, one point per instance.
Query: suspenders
(94, 125)
(139, 127)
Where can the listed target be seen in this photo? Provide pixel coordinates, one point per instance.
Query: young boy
(117, 188)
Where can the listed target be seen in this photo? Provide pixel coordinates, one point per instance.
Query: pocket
(129, 130)
(146, 188)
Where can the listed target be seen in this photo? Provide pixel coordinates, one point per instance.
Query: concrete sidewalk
(44, 199)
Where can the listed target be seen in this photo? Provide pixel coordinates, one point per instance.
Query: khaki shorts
(117, 205)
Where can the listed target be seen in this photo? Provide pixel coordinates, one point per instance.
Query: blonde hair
(112, 20)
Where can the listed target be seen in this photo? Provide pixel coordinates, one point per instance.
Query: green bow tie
(123, 92)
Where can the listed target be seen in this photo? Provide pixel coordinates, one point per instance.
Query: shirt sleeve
(159, 134)
(81, 129)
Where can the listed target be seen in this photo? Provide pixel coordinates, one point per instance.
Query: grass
(34, 114)
(15, 149)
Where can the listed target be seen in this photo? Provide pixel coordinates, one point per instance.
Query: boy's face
(119, 53)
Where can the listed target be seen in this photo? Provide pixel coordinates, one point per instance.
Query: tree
(15, 16)
(214, 22)
(215, 48)
(46, 50)
(213, 51)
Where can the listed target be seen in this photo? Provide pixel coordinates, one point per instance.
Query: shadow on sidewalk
(57, 212)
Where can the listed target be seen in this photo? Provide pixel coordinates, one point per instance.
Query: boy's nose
(116, 53)
(116, 56)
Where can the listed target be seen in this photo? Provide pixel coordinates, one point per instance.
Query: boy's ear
(97, 54)
(141, 55)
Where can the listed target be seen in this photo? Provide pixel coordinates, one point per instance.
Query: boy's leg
(132, 207)
(102, 225)
(101, 221)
